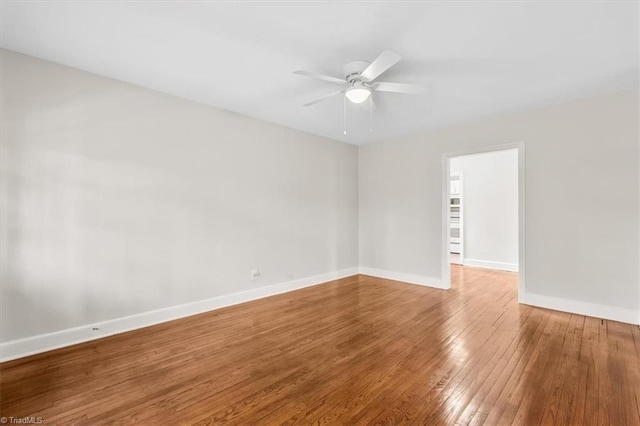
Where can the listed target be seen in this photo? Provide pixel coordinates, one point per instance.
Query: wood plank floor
(360, 350)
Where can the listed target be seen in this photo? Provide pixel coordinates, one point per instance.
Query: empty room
(319, 212)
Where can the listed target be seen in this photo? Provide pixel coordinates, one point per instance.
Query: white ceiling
(476, 59)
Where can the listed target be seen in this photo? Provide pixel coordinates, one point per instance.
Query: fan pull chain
(344, 98)
(371, 113)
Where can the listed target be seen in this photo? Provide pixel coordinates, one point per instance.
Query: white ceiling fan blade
(323, 77)
(386, 60)
(412, 89)
(322, 98)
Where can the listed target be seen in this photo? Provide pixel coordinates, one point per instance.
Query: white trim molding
(629, 316)
(503, 266)
(45, 342)
(404, 277)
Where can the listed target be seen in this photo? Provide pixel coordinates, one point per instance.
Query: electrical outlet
(255, 274)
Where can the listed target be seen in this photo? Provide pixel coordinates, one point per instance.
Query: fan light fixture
(358, 93)
(359, 81)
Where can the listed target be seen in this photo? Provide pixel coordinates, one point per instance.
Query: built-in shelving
(456, 243)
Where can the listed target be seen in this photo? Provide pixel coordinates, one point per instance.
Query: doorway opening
(483, 212)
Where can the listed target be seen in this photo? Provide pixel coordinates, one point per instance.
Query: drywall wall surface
(118, 200)
(581, 196)
(490, 207)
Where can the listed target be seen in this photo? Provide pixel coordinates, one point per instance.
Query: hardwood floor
(360, 350)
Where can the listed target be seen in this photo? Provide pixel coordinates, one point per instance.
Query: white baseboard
(629, 316)
(58, 339)
(503, 266)
(404, 277)
(33, 345)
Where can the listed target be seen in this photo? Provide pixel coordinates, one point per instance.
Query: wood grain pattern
(360, 350)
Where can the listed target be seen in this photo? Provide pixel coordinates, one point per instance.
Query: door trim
(520, 147)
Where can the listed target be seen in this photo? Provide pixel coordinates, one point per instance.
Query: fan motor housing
(353, 70)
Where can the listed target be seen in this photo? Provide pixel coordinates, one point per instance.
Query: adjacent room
(483, 223)
(343, 213)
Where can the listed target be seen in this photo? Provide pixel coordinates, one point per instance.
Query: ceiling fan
(359, 79)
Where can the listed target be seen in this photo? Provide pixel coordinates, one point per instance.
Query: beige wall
(118, 200)
(581, 166)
